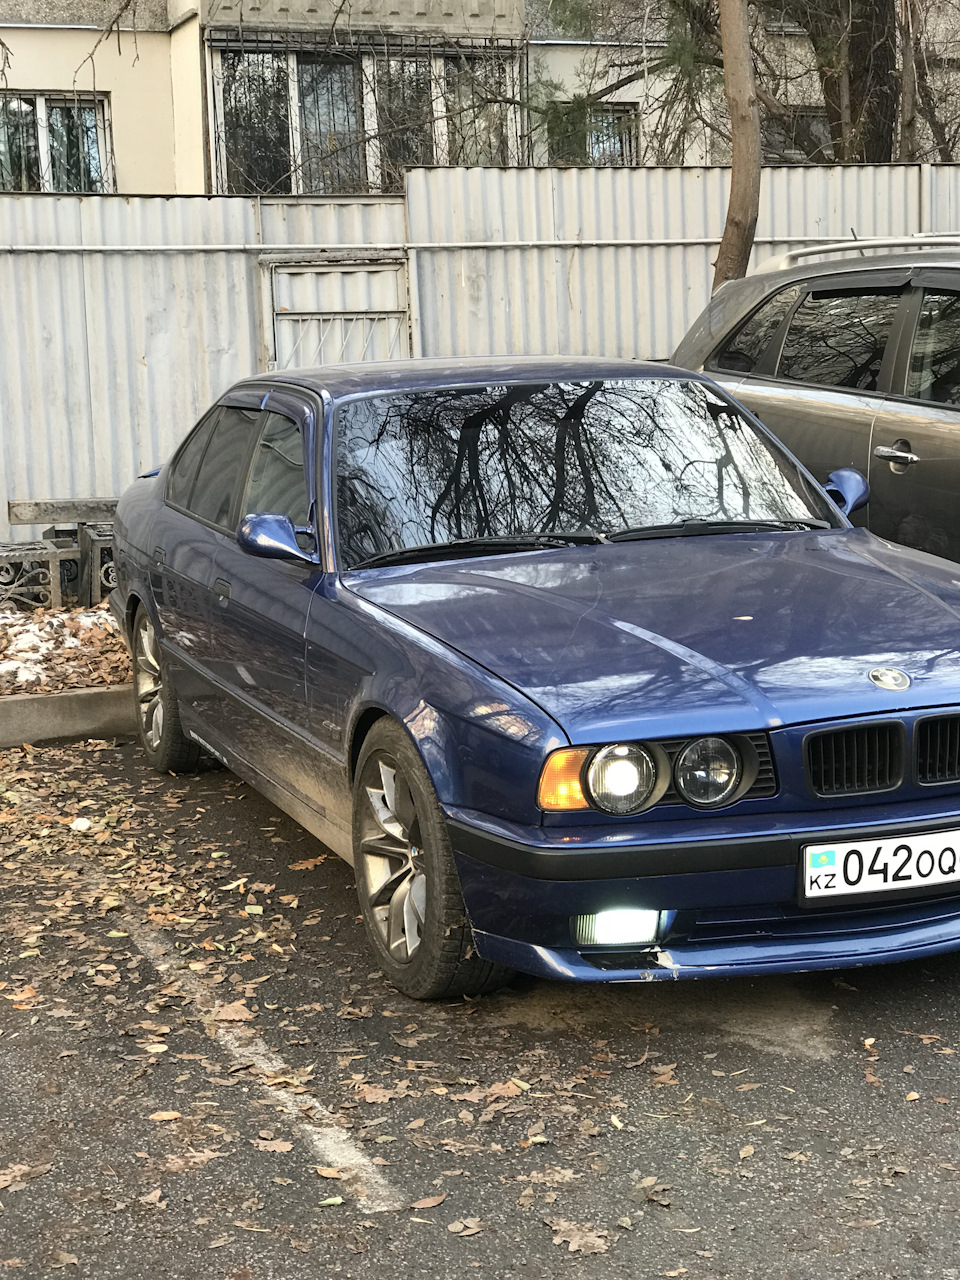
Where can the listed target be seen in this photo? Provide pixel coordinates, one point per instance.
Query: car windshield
(423, 468)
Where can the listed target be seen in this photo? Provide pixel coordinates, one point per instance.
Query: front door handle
(901, 456)
(222, 588)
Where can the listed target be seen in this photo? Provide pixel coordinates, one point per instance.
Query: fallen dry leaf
(328, 1172)
(61, 1259)
(464, 1227)
(579, 1237)
(871, 1077)
(271, 1144)
(746, 1152)
(162, 1116)
(429, 1202)
(16, 1176)
(235, 1012)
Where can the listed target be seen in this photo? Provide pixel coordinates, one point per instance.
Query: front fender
(482, 741)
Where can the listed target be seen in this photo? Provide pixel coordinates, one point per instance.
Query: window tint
(837, 339)
(277, 479)
(224, 465)
(742, 352)
(183, 471)
(935, 360)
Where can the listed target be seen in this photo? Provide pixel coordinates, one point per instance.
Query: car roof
(912, 259)
(418, 373)
(736, 298)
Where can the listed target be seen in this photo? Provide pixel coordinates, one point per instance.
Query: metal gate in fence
(328, 313)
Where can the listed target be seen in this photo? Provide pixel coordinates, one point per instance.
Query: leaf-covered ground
(202, 1075)
(49, 650)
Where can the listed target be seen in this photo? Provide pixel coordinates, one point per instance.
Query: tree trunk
(738, 83)
(907, 151)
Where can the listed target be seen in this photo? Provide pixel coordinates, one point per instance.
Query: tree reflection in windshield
(431, 466)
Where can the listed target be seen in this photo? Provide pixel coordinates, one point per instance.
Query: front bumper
(729, 906)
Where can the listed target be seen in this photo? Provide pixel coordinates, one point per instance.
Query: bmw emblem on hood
(890, 678)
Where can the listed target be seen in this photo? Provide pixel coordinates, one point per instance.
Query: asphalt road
(190, 1028)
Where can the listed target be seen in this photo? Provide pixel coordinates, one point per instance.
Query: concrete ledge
(106, 712)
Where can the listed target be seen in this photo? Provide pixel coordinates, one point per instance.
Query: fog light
(625, 927)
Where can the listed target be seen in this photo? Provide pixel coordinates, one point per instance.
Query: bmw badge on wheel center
(577, 666)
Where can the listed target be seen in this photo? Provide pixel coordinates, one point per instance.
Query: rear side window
(183, 470)
(224, 465)
(744, 351)
(277, 479)
(934, 372)
(837, 338)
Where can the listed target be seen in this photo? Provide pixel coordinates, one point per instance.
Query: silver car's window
(427, 467)
(934, 372)
(743, 352)
(837, 338)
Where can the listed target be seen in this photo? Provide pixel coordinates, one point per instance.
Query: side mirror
(271, 537)
(848, 488)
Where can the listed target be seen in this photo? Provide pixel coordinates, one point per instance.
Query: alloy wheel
(148, 683)
(392, 878)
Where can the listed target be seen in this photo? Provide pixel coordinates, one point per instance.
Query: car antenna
(853, 232)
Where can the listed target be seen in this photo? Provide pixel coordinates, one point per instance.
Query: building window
(303, 123)
(476, 93)
(332, 150)
(54, 143)
(801, 137)
(255, 138)
(598, 134)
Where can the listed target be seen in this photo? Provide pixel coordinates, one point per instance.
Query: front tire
(158, 713)
(406, 879)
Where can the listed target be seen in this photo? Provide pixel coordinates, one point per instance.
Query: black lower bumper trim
(624, 861)
(541, 862)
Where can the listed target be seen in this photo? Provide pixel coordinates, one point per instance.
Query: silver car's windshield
(428, 467)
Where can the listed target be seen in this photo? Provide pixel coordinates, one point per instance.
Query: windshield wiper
(490, 546)
(696, 528)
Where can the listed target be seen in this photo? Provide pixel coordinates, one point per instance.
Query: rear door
(915, 463)
(200, 496)
(815, 362)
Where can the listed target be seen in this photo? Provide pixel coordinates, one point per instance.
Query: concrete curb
(76, 713)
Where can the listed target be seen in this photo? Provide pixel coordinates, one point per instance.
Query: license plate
(881, 866)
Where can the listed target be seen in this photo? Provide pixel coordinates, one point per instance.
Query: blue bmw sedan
(580, 670)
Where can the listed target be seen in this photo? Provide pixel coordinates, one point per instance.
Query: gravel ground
(203, 1077)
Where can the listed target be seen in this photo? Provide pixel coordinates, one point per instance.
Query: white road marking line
(319, 1131)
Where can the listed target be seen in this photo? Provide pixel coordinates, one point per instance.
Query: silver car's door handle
(890, 454)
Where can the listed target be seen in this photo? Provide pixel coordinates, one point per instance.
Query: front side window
(255, 138)
(422, 468)
(934, 372)
(54, 143)
(277, 480)
(837, 338)
(223, 466)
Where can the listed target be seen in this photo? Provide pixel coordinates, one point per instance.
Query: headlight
(621, 779)
(707, 772)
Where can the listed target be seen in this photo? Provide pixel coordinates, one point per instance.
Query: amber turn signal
(560, 780)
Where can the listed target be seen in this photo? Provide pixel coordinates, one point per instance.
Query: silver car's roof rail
(920, 240)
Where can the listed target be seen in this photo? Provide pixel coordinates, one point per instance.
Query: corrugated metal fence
(124, 317)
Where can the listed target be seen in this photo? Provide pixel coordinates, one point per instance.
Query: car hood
(695, 634)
